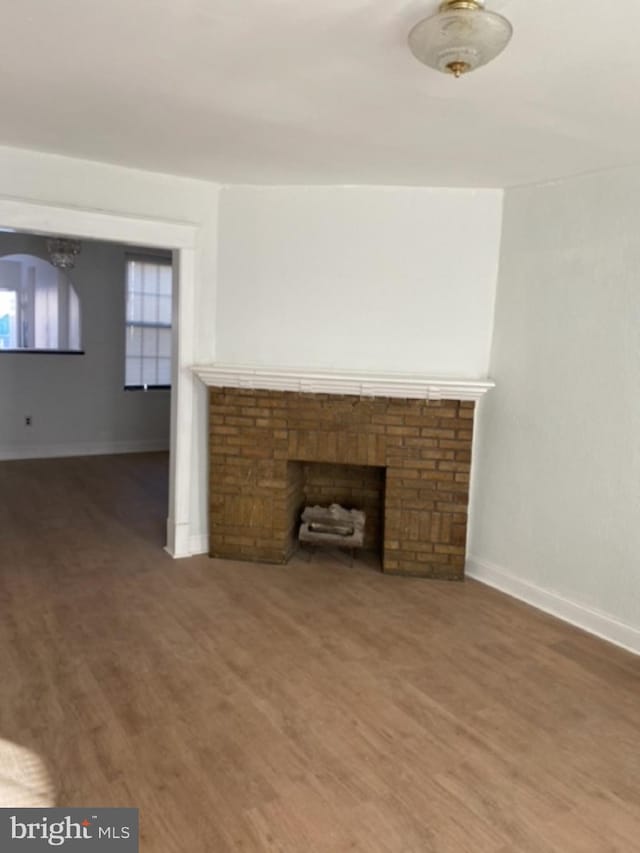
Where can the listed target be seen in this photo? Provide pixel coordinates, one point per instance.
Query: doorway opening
(180, 239)
(85, 347)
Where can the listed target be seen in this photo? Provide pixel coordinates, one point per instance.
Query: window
(148, 322)
(39, 307)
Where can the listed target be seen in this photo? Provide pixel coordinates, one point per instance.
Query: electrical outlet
(27, 420)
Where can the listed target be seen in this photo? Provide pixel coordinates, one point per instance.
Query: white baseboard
(177, 539)
(593, 621)
(180, 544)
(199, 544)
(82, 448)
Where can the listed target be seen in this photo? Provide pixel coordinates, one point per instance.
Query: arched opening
(39, 306)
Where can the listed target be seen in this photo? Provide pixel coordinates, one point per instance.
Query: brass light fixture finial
(458, 68)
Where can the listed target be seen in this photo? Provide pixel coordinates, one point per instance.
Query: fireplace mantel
(410, 386)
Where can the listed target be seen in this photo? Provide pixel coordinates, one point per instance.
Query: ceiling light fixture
(62, 252)
(460, 37)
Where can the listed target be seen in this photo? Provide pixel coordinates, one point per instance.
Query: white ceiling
(296, 91)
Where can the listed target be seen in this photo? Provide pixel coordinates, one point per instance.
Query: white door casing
(182, 238)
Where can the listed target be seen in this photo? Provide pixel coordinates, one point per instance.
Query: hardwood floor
(312, 707)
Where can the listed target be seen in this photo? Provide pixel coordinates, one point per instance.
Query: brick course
(418, 453)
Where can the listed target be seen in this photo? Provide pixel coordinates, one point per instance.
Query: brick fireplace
(406, 461)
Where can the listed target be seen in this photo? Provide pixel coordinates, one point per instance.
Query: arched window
(39, 307)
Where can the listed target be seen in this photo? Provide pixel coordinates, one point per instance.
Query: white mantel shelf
(412, 386)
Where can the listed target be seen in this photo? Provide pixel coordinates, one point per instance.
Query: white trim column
(182, 406)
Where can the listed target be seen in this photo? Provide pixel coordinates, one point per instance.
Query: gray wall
(557, 465)
(77, 402)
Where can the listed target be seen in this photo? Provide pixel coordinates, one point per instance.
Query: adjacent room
(85, 346)
(81, 324)
(318, 427)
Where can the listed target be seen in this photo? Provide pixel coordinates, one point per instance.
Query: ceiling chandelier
(460, 37)
(62, 252)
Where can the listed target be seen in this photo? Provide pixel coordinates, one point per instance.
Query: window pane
(164, 310)
(133, 371)
(46, 307)
(134, 340)
(164, 342)
(150, 278)
(8, 319)
(164, 371)
(74, 319)
(133, 275)
(134, 308)
(149, 371)
(165, 275)
(150, 341)
(150, 309)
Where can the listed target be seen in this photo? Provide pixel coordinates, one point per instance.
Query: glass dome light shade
(459, 40)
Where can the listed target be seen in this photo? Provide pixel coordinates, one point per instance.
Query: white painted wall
(60, 181)
(362, 278)
(77, 402)
(556, 498)
(420, 265)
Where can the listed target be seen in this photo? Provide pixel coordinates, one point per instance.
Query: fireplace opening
(360, 487)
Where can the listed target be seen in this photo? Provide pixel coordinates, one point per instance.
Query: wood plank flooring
(312, 707)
